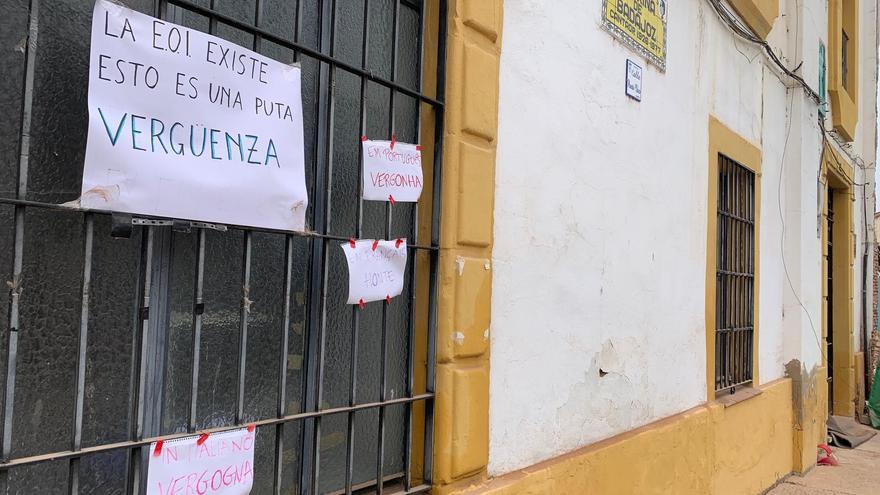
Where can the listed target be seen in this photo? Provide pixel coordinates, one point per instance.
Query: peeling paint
(487, 265)
(486, 334)
(458, 337)
(459, 263)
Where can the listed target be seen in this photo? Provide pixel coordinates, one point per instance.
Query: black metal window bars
(735, 275)
(346, 421)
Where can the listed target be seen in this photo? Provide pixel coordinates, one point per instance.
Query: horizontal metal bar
(308, 235)
(736, 274)
(413, 490)
(735, 217)
(733, 329)
(728, 387)
(67, 454)
(170, 223)
(367, 484)
(303, 49)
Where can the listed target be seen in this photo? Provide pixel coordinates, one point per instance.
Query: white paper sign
(222, 465)
(190, 126)
(375, 269)
(392, 172)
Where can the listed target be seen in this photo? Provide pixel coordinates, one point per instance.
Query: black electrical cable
(733, 23)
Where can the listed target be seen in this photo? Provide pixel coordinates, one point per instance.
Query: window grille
(735, 277)
(112, 343)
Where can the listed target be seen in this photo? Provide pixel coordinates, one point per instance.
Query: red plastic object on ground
(828, 459)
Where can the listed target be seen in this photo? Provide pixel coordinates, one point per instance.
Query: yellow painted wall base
(712, 449)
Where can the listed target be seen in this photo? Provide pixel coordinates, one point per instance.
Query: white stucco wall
(601, 214)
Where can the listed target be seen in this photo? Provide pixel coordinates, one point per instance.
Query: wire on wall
(735, 25)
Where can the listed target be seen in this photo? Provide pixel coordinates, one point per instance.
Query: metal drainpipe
(866, 353)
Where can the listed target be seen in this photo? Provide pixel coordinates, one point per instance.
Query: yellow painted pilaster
(461, 436)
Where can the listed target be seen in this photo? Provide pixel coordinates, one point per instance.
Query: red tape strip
(375, 244)
(158, 450)
(352, 243)
(388, 300)
(393, 140)
(391, 198)
(362, 304)
(397, 243)
(363, 138)
(252, 427)
(202, 438)
(418, 147)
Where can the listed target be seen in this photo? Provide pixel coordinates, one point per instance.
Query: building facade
(639, 264)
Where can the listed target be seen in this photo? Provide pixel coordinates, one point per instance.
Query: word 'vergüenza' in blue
(154, 135)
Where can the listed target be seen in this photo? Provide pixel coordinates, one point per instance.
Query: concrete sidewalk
(857, 474)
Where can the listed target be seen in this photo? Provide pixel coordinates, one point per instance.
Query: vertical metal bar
(413, 282)
(198, 310)
(243, 329)
(282, 363)
(435, 241)
(212, 20)
(731, 262)
(73, 465)
(297, 23)
(139, 360)
(18, 255)
(383, 374)
(258, 18)
(356, 317)
(319, 269)
(719, 277)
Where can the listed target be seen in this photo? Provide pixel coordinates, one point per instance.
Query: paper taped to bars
(187, 125)
(375, 269)
(223, 465)
(392, 171)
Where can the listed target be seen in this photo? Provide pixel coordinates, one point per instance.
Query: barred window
(112, 342)
(735, 277)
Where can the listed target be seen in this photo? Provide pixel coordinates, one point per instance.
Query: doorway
(838, 246)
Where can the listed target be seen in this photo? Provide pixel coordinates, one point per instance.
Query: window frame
(843, 16)
(724, 141)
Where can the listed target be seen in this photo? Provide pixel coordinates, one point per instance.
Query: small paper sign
(223, 464)
(392, 173)
(375, 269)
